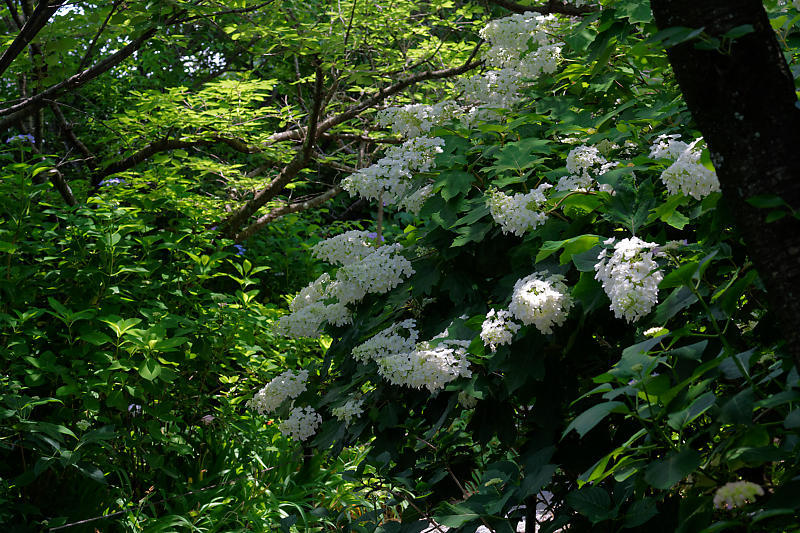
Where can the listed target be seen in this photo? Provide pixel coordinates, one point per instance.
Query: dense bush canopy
(386, 266)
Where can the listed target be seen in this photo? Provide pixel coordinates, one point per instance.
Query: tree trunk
(742, 97)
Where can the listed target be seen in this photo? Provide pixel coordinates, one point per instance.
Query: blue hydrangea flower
(22, 137)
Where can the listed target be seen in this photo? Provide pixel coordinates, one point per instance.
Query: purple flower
(240, 250)
(113, 181)
(374, 235)
(207, 419)
(23, 137)
(135, 409)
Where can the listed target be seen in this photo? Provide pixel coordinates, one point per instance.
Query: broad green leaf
(592, 502)
(664, 473)
(739, 409)
(150, 369)
(457, 515)
(572, 246)
(585, 421)
(684, 417)
(640, 512)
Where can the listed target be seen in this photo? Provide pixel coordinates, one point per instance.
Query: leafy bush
(130, 338)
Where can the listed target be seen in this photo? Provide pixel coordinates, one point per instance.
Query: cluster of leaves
(623, 429)
(129, 341)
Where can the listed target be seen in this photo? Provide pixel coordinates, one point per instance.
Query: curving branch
(61, 185)
(362, 138)
(43, 12)
(90, 48)
(288, 173)
(66, 128)
(28, 106)
(165, 145)
(381, 95)
(285, 210)
(238, 11)
(552, 7)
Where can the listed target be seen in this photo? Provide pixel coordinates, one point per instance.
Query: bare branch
(165, 145)
(285, 210)
(356, 109)
(43, 12)
(70, 135)
(239, 11)
(354, 137)
(61, 185)
(100, 31)
(298, 163)
(552, 6)
(31, 104)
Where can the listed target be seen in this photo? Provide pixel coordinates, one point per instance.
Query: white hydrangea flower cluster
(351, 409)
(428, 365)
(417, 119)
(541, 301)
(378, 272)
(345, 248)
(736, 494)
(509, 49)
(668, 147)
(404, 361)
(279, 389)
(498, 329)
(519, 213)
(326, 300)
(309, 311)
(390, 178)
(513, 61)
(397, 338)
(414, 201)
(687, 175)
(630, 277)
(493, 89)
(301, 424)
(310, 294)
(585, 163)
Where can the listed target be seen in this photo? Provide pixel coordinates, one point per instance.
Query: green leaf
(471, 233)
(585, 421)
(640, 512)
(592, 502)
(150, 369)
(454, 182)
(636, 11)
(680, 276)
(665, 473)
(739, 31)
(635, 361)
(676, 35)
(97, 338)
(678, 300)
(517, 156)
(684, 417)
(572, 246)
(766, 201)
(589, 292)
(739, 409)
(585, 261)
(455, 515)
(792, 420)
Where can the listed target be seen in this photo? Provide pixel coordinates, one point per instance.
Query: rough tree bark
(742, 97)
